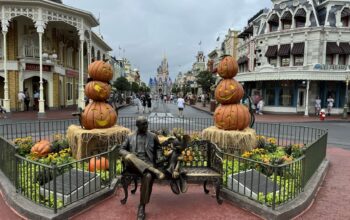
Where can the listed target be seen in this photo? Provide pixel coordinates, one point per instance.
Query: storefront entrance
(301, 101)
(33, 85)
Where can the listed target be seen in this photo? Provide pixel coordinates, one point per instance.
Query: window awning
(243, 59)
(284, 50)
(300, 13)
(345, 47)
(271, 52)
(286, 16)
(333, 48)
(298, 49)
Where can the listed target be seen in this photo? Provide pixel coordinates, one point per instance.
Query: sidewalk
(281, 117)
(65, 113)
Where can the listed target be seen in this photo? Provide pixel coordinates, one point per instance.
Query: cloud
(148, 30)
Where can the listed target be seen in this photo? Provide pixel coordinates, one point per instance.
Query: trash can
(212, 105)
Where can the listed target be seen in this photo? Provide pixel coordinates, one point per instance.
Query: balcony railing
(31, 51)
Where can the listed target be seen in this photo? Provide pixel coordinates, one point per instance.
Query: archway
(32, 85)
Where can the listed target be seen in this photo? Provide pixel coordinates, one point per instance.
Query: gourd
(97, 90)
(98, 115)
(98, 164)
(100, 71)
(232, 117)
(229, 91)
(41, 148)
(228, 67)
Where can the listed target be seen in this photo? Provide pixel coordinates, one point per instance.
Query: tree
(135, 87)
(121, 84)
(175, 89)
(206, 80)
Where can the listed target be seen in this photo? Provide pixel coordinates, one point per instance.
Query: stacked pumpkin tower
(98, 130)
(99, 114)
(232, 119)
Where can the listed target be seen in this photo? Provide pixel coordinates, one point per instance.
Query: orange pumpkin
(228, 67)
(41, 148)
(229, 91)
(98, 115)
(98, 164)
(232, 117)
(97, 91)
(100, 71)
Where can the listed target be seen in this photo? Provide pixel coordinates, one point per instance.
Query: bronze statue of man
(139, 155)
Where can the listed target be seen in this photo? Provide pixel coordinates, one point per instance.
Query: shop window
(345, 21)
(342, 60)
(270, 96)
(285, 61)
(329, 59)
(300, 22)
(273, 27)
(345, 16)
(298, 60)
(286, 96)
(69, 90)
(273, 61)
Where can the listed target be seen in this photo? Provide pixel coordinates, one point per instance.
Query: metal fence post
(274, 188)
(54, 167)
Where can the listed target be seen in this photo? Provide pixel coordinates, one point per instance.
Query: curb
(289, 210)
(26, 208)
(200, 109)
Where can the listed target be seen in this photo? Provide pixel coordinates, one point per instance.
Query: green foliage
(135, 87)
(121, 84)
(24, 145)
(205, 79)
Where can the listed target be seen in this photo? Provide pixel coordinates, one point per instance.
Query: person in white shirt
(330, 102)
(181, 105)
(260, 106)
(21, 97)
(317, 105)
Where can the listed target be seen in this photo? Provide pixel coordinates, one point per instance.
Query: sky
(148, 30)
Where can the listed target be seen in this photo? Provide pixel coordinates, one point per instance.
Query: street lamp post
(345, 112)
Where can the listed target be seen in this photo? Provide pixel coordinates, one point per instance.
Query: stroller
(2, 112)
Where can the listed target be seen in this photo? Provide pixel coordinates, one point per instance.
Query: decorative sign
(72, 73)
(36, 67)
(331, 67)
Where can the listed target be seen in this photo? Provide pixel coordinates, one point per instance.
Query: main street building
(296, 51)
(56, 34)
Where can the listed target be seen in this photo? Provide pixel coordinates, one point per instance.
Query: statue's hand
(176, 174)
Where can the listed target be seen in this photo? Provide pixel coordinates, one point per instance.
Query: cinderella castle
(161, 84)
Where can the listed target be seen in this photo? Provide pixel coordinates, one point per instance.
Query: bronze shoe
(174, 187)
(141, 215)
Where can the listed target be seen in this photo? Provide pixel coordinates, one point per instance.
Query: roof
(345, 47)
(101, 41)
(333, 48)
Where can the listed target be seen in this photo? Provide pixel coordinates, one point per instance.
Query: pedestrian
(27, 98)
(317, 105)
(138, 104)
(149, 102)
(260, 106)
(330, 102)
(21, 97)
(144, 101)
(180, 105)
(165, 98)
(2, 112)
(36, 100)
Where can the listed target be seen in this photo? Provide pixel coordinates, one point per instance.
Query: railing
(269, 184)
(56, 186)
(31, 51)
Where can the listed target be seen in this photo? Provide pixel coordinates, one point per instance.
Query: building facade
(296, 51)
(46, 46)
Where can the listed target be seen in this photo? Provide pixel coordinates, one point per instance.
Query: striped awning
(284, 50)
(274, 19)
(300, 13)
(286, 16)
(298, 49)
(333, 48)
(345, 47)
(271, 51)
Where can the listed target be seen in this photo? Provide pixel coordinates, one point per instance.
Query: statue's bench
(202, 165)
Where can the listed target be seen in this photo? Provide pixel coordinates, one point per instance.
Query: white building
(296, 51)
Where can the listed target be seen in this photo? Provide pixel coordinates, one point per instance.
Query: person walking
(317, 105)
(27, 98)
(144, 101)
(180, 105)
(36, 100)
(21, 97)
(330, 102)
(260, 106)
(149, 102)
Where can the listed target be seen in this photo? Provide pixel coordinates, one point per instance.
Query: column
(6, 82)
(41, 112)
(305, 49)
(307, 98)
(89, 52)
(81, 103)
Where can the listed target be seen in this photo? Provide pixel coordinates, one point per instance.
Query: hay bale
(86, 143)
(231, 140)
